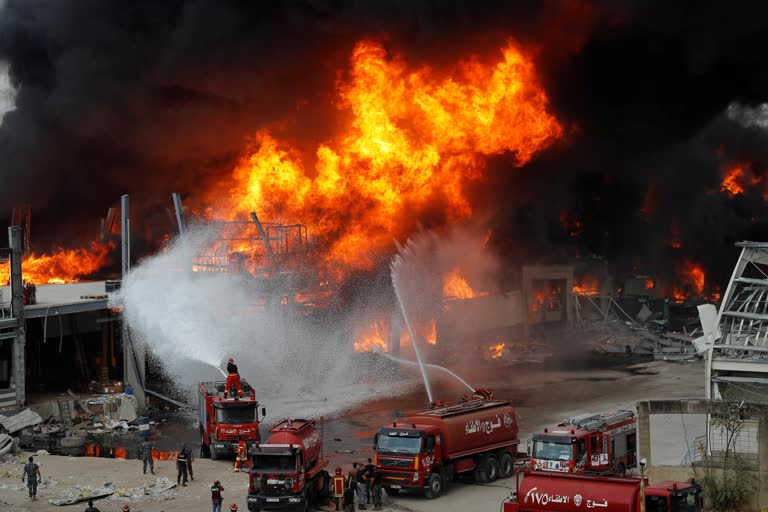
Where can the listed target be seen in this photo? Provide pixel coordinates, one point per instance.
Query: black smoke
(148, 97)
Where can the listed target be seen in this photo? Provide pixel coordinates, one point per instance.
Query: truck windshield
(401, 445)
(265, 463)
(236, 414)
(552, 451)
(686, 501)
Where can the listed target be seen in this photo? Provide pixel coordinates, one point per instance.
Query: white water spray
(427, 365)
(396, 263)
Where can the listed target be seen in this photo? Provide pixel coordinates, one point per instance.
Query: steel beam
(125, 234)
(177, 205)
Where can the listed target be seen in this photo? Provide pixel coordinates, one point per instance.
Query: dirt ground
(541, 398)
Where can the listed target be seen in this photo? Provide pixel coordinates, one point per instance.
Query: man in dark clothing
(145, 455)
(352, 477)
(362, 487)
(91, 508)
(216, 497)
(376, 481)
(190, 459)
(349, 500)
(369, 469)
(32, 475)
(181, 465)
(233, 379)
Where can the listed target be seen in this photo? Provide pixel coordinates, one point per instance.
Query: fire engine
(605, 443)
(224, 421)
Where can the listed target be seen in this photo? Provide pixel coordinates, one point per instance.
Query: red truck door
(599, 451)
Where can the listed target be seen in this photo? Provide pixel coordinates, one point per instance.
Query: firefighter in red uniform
(233, 380)
(339, 484)
(241, 457)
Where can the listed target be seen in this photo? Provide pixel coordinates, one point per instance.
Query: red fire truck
(224, 421)
(288, 472)
(542, 491)
(605, 443)
(426, 450)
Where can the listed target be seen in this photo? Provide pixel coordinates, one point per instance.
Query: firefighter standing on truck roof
(233, 379)
(241, 456)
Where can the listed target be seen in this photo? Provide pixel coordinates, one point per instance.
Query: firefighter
(482, 394)
(126, 508)
(233, 379)
(91, 508)
(338, 486)
(241, 456)
(233, 507)
(190, 459)
(181, 466)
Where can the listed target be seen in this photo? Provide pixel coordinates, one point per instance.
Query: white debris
(41, 452)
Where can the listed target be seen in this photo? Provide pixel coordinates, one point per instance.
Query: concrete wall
(659, 472)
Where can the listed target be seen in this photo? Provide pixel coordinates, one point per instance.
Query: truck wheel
(214, 453)
(391, 491)
(307, 501)
(506, 465)
(491, 472)
(435, 486)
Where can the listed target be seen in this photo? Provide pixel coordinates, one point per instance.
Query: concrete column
(644, 432)
(16, 243)
(133, 355)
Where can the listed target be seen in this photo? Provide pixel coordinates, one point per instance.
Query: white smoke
(193, 321)
(7, 92)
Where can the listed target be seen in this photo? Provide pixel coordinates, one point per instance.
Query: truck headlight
(415, 476)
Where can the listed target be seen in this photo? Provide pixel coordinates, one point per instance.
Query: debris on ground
(24, 419)
(159, 490)
(77, 494)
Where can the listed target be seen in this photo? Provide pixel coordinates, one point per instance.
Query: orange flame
(456, 287)
(586, 285)
(414, 139)
(496, 351)
(372, 337)
(691, 279)
(733, 175)
(545, 299)
(64, 266)
(649, 284)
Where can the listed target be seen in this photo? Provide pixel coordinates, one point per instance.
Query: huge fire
(415, 137)
(586, 285)
(64, 266)
(371, 337)
(691, 279)
(456, 287)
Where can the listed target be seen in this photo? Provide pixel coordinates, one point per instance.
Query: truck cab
(601, 443)
(288, 472)
(224, 421)
(407, 455)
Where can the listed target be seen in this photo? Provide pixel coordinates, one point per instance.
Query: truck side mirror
(375, 441)
(263, 411)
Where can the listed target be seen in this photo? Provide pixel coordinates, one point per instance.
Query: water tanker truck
(542, 491)
(426, 450)
(288, 472)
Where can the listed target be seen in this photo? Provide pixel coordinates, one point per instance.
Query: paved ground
(541, 398)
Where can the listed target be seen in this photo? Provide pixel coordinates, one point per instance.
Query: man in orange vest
(241, 458)
(339, 484)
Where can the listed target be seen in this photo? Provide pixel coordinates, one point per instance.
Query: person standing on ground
(190, 458)
(91, 508)
(145, 455)
(241, 456)
(181, 465)
(216, 497)
(352, 477)
(369, 469)
(349, 499)
(32, 475)
(362, 487)
(376, 482)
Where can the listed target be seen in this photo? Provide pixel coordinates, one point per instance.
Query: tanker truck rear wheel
(435, 486)
(391, 491)
(490, 472)
(506, 465)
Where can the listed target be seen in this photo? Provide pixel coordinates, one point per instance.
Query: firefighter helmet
(126, 508)
(231, 360)
(233, 507)
(338, 470)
